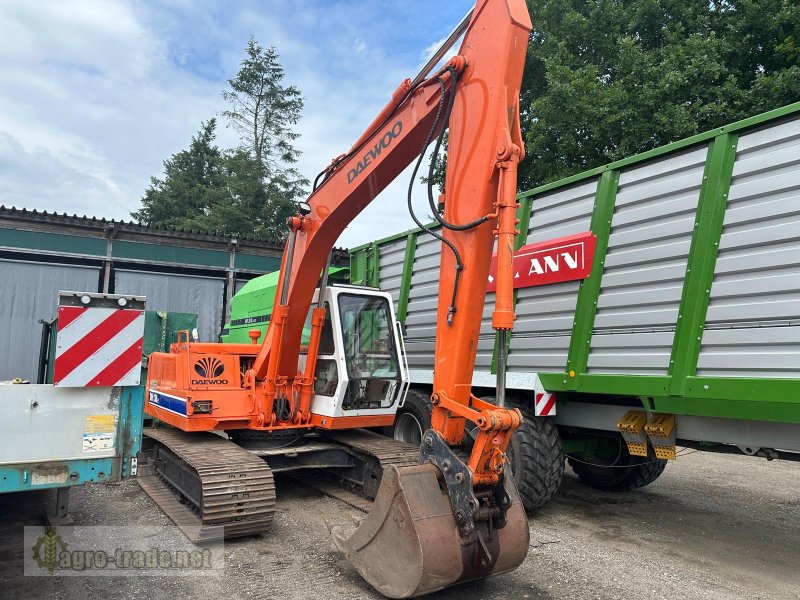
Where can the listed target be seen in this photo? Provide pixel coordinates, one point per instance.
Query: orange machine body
(202, 386)
(199, 387)
(481, 84)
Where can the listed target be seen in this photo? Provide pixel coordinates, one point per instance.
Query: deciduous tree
(606, 79)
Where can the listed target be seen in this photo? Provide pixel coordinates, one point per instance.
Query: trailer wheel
(621, 474)
(413, 419)
(534, 455)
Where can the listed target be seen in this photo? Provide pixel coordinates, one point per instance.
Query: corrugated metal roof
(101, 228)
(74, 219)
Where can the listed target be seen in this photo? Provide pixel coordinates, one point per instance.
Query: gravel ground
(712, 527)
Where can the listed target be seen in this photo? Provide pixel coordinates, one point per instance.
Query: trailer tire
(535, 457)
(413, 419)
(534, 452)
(624, 474)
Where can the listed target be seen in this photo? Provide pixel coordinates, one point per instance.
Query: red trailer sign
(554, 261)
(98, 347)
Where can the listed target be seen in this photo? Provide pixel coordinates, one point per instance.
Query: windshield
(370, 354)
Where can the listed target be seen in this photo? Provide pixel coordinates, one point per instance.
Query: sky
(96, 94)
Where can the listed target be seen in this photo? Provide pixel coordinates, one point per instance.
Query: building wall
(203, 296)
(178, 271)
(29, 293)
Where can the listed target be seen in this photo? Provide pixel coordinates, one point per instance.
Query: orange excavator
(442, 513)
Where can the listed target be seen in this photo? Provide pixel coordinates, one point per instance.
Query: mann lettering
(552, 264)
(373, 153)
(567, 258)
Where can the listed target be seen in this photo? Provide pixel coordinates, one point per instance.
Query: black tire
(535, 457)
(413, 419)
(622, 474)
(534, 452)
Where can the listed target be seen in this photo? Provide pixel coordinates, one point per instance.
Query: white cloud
(86, 91)
(428, 52)
(27, 177)
(95, 94)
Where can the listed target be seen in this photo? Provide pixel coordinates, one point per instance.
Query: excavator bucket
(409, 544)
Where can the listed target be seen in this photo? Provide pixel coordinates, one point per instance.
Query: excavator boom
(449, 520)
(485, 116)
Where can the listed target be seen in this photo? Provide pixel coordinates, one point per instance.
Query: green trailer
(657, 302)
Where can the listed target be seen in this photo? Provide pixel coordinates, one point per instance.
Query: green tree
(264, 112)
(194, 181)
(208, 189)
(606, 79)
(241, 209)
(249, 190)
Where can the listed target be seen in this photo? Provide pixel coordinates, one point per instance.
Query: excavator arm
(484, 148)
(450, 519)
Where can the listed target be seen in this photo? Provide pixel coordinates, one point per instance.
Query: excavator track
(204, 482)
(385, 450)
(376, 451)
(210, 487)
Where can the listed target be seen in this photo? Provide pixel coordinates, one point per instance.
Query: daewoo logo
(209, 368)
(374, 152)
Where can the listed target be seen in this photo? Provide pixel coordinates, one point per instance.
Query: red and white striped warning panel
(545, 405)
(98, 347)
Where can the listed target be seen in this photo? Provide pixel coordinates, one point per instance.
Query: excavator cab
(361, 368)
(361, 376)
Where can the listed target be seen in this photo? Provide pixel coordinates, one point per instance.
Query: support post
(61, 514)
(405, 278)
(230, 279)
(702, 261)
(586, 307)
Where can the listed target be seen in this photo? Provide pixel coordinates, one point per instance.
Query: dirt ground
(712, 527)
